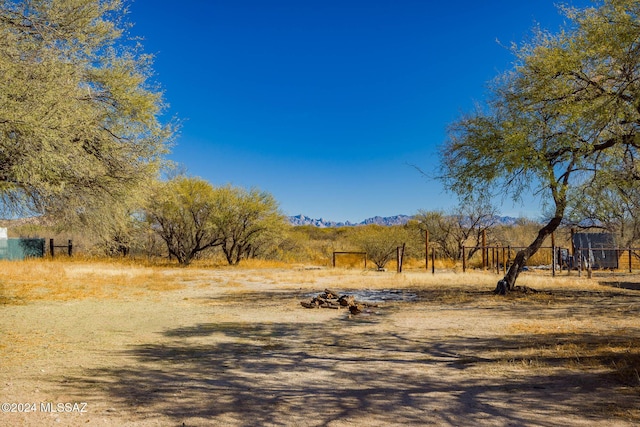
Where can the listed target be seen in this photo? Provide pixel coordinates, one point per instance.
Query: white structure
(4, 243)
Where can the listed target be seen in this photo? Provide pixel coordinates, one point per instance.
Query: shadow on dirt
(318, 373)
(634, 286)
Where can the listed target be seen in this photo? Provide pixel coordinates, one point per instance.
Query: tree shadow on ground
(634, 286)
(317, 374)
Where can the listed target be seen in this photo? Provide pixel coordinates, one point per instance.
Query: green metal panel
(16, 249)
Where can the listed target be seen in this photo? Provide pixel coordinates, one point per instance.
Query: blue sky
(327, 104)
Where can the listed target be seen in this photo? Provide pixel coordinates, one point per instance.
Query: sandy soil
(235, 348)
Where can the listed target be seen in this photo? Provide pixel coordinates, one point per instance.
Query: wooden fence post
(70, 248)
(51, 247)
(553, 254)
(504, 261)
(484, 249)
(464, 261)
(426, 250)
(433, 261)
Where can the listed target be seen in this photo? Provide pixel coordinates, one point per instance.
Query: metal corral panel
(595, 249)
(16, 249)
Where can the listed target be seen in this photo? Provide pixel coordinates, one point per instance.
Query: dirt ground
(128, 346)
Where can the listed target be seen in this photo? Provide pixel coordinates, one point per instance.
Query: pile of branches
(331, 299)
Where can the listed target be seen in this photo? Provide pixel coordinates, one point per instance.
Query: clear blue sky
(326, 104)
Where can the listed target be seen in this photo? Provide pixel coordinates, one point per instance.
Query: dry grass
(457, 336)
(63, 280)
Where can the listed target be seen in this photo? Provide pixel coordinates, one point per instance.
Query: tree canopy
(181, 211)
(191, 216)
(379, 242)
(565, 119)
(242, 218)
(79, 125)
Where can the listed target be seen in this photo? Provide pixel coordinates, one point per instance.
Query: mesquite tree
(379, 242)
(242, 217)
(192, 216)
(79, 128)
(181, 212)
(560, 122)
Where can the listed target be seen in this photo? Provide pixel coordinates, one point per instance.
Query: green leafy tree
(191, 216)
(615, 209)
(561, 121)
(182, 212)
(245, 219)
(79, 126)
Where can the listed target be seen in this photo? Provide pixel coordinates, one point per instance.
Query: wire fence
(555, 259)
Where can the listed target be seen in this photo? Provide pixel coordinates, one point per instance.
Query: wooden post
(403, 246)
(580, 262)
(51, 248)
(629, 260)
(553, 254)
(484, 249)
(589, 267)
(426, 250)
(70, 248)
(433, 261)
(334, 261)
(504, 261)
(573, 250)
(494, 257)
(464, 260)
(399, 257)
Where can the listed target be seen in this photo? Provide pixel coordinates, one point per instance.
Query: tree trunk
(509, 280)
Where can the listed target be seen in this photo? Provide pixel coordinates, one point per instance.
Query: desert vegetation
(223, 340)
(562, 122)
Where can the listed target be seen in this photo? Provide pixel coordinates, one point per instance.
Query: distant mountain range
(389, 220)
(323, 223)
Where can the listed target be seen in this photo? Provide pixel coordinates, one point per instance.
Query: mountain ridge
(298, 220)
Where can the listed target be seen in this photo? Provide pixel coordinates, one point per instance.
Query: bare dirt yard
(115, 344)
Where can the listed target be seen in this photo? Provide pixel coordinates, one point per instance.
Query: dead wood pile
(331, 299)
